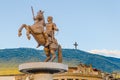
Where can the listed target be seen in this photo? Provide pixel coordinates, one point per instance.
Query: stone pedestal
(43, 70)
(43, 76)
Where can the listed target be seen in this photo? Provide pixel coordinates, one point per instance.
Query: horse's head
(40, 14)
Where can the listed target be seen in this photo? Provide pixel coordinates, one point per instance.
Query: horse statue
(38, 32)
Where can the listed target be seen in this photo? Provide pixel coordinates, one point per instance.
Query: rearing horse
(37, 31)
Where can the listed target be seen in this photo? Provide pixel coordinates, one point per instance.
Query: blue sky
(94, 24)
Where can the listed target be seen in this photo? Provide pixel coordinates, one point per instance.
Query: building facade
(81, 72)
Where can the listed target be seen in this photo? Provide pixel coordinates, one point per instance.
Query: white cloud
(105, 52)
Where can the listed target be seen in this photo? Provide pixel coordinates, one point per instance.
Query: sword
(32, 12)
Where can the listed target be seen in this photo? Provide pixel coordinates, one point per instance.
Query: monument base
(43, 70)
(43, 76)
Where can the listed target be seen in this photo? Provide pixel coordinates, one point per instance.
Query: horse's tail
(59, 54)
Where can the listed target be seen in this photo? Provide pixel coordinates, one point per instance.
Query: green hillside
(11, 58)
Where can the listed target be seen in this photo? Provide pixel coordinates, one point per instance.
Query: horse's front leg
(20, 29)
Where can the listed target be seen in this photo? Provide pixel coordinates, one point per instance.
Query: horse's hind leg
(47, 59)
(53, 55)
(47, 52)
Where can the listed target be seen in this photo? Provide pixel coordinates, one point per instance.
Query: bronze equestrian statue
(43, 33)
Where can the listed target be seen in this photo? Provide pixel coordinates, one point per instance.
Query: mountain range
(11, 58)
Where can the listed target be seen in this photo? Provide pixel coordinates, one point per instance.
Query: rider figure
(50, 30)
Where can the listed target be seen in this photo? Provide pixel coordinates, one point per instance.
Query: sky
(93, 24)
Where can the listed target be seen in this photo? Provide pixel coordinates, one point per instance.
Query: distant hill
(11, 58)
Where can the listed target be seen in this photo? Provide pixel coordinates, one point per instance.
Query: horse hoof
(38, 46)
